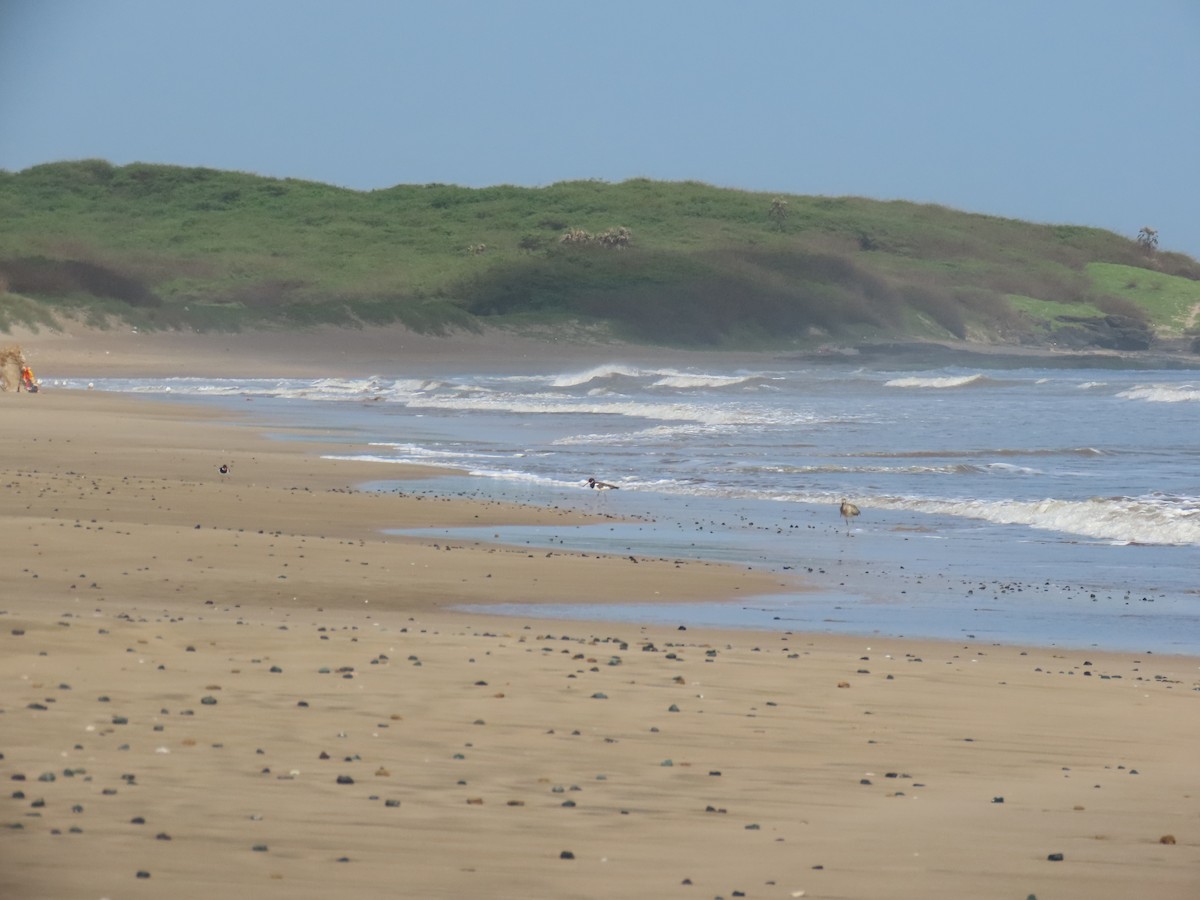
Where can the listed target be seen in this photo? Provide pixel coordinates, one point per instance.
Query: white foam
(596, 373)
(1162, 393)
(1123, 520)
(945, 381)
(700, 380)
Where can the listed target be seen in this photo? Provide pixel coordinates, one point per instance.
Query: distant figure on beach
(601, 485)
(848, 510)
(27, 380)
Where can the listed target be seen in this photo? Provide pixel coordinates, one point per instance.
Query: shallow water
(1021, 505)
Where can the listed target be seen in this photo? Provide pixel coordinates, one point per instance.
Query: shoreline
(237, 682)
(79, 351)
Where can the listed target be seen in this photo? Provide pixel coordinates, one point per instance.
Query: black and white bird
(224, 470)
(601, 485)
(848, 511)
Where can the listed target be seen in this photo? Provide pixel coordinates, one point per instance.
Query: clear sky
(1066, 111)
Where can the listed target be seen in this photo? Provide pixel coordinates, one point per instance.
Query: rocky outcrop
(1104, 332)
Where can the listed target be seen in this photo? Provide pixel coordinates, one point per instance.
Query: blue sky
(1066, 111)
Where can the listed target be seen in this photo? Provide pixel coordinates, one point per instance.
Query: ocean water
(1017, 505)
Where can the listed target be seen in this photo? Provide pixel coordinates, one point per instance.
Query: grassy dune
(685, 264)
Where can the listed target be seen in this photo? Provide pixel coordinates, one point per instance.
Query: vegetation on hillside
(686, 264)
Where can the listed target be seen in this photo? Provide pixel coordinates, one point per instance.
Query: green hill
(685, 264)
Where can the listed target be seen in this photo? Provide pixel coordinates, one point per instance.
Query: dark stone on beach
(209, 701)
(345, 779)
(137, 820)
(47, 776)
(997, 799)
(864, 781)
(259, 848)
(566, 854)
(142, 873)
(599, 696)
(391, 803)
(1055, 857)
(39, 706)
(162, 836)
(120, 720)
(275, 669)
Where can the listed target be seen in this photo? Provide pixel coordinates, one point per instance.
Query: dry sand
(234, 685)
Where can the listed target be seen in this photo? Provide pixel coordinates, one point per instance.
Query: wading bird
(848, 511)
(601, 485)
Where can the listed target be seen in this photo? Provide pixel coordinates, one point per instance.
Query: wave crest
(1162, 393)
(942, 381)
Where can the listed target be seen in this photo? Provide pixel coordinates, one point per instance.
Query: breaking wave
(943, 381)
(1162, 393)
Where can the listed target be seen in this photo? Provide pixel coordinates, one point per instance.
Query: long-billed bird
(848, 511)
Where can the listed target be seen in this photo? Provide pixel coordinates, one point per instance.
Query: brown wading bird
(601, 485)
(848, 510)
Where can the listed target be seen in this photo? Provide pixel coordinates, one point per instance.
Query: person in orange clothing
(28, 380)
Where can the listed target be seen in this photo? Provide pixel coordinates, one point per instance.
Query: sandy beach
(235, 683)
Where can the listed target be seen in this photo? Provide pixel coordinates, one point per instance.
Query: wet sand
(236, 684)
